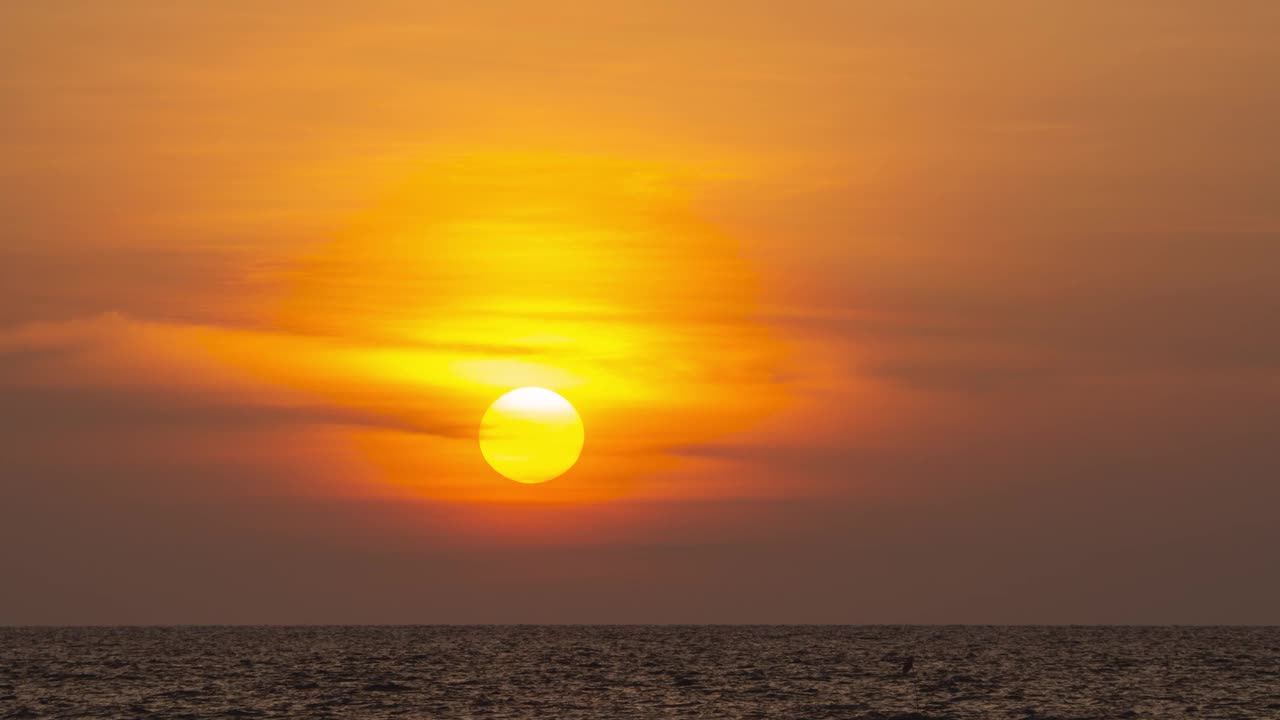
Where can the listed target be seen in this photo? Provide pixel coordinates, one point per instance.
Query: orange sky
(872, 311)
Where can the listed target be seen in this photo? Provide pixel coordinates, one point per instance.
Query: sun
(531, 435)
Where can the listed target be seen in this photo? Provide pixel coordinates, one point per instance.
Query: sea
(607, 672)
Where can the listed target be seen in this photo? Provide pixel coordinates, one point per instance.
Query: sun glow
(531, 435)
(494, 271)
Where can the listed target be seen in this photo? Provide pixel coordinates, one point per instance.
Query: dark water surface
(640, 672)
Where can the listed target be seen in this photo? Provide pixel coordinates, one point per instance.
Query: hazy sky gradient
(875, 312)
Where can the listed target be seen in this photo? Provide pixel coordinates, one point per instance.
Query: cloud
(27, 410)
(112, 372)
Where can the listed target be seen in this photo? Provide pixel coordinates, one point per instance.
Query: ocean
(566, 672)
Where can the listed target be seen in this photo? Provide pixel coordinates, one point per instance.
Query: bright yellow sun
(531, 435)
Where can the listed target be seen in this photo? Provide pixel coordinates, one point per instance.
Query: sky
(912, 312)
